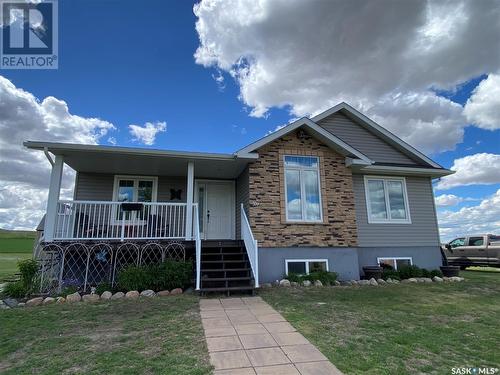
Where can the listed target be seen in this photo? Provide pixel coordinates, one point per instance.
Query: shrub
(406, 272)
(28, 269)
(15, 289)
(164, 276)
(102, 287)
(390, 273)
(326, 278)
(437, 273)
(293, 277)
(68, 290)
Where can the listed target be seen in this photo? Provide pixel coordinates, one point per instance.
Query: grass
(399, 329)
(14, 246)
(156, 336)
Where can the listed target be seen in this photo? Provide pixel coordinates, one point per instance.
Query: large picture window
(387, 200)
(134, 189)
(302, 189)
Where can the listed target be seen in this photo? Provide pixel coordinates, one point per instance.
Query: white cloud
(112, 141)
(24, 173)
(446, 200)
(483, 218)
(147, 134)
(483, 107)
(477, 169)
(290, 53)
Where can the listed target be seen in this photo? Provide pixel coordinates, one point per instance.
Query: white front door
(216, 209)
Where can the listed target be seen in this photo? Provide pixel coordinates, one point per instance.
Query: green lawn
(14, 246)
(156, 336)
(399, 329)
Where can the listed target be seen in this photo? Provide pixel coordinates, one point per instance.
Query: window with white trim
(134, 189)
(395, 262)
(302, 189)
(387, 200)
(305, 266)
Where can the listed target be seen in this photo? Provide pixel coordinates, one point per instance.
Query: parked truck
(477, 250)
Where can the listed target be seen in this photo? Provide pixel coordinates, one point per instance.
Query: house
(334, 192)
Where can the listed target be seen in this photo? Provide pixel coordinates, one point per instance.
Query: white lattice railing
(250, 245)
(103, 220)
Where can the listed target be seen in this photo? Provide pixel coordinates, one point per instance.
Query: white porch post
(54, 190)
(189, 201)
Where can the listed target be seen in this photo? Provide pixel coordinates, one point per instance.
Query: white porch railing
(197, 239)
(250, 245)
(104, 220)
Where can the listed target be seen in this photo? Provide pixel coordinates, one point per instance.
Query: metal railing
(197, 239)
(250, 245)
(105, 220)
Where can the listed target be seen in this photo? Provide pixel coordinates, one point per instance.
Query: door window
(457, 242)
(476, 241)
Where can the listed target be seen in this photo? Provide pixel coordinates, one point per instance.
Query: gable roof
(317, 131)
(378, 130)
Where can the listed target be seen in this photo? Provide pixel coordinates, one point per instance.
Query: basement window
(395, 262)
(305, 266)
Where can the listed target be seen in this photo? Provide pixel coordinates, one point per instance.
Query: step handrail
(251, 245)
(197, 239)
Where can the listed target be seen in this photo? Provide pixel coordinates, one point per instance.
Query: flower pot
(450, 271)
(372, 272)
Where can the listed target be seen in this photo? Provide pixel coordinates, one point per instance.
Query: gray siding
(242, 194)
(342, 260)
(363, 140)
(423, 230)
(99, 187)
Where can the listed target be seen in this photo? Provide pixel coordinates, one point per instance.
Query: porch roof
(127, 160)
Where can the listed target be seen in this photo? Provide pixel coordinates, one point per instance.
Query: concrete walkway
(246, 336)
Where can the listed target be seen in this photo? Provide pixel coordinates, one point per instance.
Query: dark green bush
(102, 287)
(407, 272)
(390, 273)
(28, 269)
(437, 273)
(15, 289)
(68, 290)
(326, 278)
(164, 276)
(293, 277)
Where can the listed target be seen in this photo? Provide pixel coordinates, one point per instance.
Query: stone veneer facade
(267, 197)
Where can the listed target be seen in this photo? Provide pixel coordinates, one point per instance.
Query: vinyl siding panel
(242, 194)
(363, 140)
(423, 230)
(99, 187)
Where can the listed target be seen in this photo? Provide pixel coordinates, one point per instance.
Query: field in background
(14, 246)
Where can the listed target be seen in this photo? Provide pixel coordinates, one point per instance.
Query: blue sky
(130, 63)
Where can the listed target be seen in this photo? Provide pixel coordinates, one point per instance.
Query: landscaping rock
(437, 279)
(11, 302)
(91, 298)
(318, 283)
(306, 283)
(163, 293)
(347, 283)
(354, 282)
(118, 295)
(427, 280)
(34, 301)
(176, 291)
(72, 298)
(364, 282)
(294, 283)
(148, 293)
(106, 295)
(21, 304)
(266, 285)
(60, 300)
(285, 283)
(412, 280)
(132, 294)
(381, 281)
(395, 281)
(275, 283)
(455, 279)
(49, 300)
(336, 283)
(3, 305)
(373, 282)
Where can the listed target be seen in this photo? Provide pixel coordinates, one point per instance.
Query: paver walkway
(247, 336)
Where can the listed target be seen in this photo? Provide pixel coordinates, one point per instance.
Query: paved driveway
(247, 336)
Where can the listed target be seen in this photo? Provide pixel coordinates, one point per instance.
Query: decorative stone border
(306, 283)
(88, 298)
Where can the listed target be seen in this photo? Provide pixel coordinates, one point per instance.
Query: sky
(214, 76)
